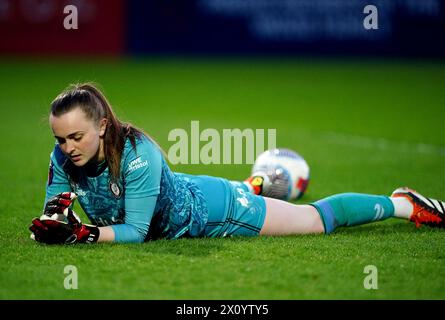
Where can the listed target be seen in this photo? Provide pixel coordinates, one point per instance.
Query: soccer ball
(286, 173)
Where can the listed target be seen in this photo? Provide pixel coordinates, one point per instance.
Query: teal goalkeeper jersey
(149, 201)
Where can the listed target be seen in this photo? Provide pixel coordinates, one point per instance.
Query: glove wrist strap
(93, 235)
(84, 234)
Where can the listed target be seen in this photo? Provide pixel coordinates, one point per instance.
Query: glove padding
(58, 232)
(58, 204)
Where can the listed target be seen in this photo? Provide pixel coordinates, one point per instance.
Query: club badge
(115, 190)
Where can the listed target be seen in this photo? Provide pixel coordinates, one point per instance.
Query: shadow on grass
(379, 228)
(199, 247)
(194, 247)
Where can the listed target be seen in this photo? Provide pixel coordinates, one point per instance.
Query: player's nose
(70, 147)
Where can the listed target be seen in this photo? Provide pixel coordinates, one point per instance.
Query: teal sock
(351, 209)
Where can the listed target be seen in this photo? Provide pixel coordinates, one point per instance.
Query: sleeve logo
(136, 164)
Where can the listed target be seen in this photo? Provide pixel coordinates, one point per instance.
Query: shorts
(232, 209)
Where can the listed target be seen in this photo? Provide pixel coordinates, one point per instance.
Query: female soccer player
(124, 185)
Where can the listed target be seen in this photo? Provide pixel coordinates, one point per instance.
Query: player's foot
(426, 211)
(270, 184)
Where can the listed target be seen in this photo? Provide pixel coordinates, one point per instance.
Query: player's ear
(102, 126)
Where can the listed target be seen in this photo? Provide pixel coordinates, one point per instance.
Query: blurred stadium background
(365, 107)
(219, 27)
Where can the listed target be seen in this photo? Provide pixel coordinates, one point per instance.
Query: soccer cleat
(273, 184)
(256, 183)
(426, 211)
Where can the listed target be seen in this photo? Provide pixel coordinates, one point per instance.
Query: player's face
(79, 138)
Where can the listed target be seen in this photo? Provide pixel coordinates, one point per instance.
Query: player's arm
(138, 214)
(142, 176)
(142, 184)
(106, 234)
(50, 231)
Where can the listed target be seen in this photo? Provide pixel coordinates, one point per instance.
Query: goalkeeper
(124, 185)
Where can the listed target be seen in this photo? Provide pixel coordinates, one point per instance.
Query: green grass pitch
(363, 126)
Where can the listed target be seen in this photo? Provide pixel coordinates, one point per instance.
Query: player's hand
(58, 232)
(58, 203)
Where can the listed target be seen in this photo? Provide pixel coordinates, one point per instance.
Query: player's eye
(78, 138)
(60, 140)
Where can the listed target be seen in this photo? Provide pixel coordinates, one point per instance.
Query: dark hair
(95, 105)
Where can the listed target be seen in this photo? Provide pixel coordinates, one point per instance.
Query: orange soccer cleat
(426, 211)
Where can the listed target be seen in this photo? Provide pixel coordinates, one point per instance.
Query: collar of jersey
(96, 170)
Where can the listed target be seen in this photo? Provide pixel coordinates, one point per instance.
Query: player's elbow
(141, 234)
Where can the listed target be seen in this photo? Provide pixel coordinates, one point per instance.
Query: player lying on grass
(124, 185)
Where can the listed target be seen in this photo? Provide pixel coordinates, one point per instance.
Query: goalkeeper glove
(57, 204)
(58, 232)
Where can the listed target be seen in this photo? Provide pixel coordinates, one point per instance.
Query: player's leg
(248, 212)
(346, 209)
(341, 210)
(350, 209)
(285, 218)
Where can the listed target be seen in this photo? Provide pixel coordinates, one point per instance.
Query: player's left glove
(57, 204)
(58, 232)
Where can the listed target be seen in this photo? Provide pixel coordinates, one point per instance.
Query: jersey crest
(115, 190)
